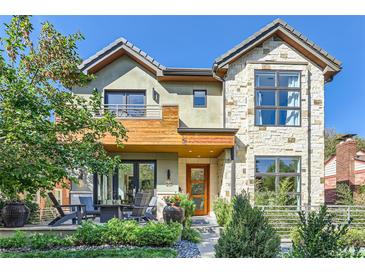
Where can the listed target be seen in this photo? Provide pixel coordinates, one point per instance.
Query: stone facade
(254, 140)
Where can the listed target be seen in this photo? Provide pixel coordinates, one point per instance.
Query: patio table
(108, 212)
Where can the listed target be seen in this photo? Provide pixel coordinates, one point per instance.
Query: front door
(197, 184)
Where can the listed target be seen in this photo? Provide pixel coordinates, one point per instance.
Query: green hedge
(115, 232)
(99, 253)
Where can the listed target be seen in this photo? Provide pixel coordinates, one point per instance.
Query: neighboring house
(253, 122)
(347, 166)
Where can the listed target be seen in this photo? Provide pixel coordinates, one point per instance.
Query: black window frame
(277, 174)
(206, 98)
(115, 177)
(277, 89)
(129, 111)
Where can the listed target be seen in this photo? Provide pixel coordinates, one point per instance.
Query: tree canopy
(330, 142)
(36, 76)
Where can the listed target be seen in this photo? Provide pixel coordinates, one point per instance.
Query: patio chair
(74, 215)
(90, 211)
(142, 202)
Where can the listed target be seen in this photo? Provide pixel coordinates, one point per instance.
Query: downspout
(232, 151)
(309, 138)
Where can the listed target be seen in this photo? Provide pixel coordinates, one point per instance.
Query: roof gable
(329, 64)
(117, 49)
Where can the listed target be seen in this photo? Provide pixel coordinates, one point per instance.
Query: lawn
(100, 253)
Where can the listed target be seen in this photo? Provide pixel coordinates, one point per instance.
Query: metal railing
(285, 218)
(131, 111)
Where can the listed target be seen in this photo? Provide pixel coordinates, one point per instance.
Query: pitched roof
(276, 27)
(113, 51)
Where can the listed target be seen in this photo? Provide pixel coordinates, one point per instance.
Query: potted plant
(172, 212)
(14, 213)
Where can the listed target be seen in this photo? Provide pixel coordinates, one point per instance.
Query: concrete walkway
(209, 229)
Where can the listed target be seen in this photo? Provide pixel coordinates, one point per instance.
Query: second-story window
(200, 98)
(126, 103)
(277, 98)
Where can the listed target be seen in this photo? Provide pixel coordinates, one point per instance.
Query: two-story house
(254, 121)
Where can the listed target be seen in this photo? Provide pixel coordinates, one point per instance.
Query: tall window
(277, 98)
(277, 181)
(126, 103)
(200, 98)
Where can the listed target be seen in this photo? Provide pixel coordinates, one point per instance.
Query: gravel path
(186, 249)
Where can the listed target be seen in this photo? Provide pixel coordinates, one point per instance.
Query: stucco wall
(278, 141)
(126, 74)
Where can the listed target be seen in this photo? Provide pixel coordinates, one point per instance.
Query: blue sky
(195, 41)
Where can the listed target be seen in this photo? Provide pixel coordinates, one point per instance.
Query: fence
(285, 218)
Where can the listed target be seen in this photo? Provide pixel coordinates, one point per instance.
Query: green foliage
(36, 241)
(248, 234)
(115, 232)
(344, 195)
(18, 240)
(354, 237)
(89, 233)
(222, 209)
(191, 234)
(330, 142)
(99, 253)
(189, 207)
(46, 241)
(35, 81)
(281, 198)
(319, 237)
(118, 232)
(158, 234)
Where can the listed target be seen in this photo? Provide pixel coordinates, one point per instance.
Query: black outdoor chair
(75, 214)
(90, 211)
(142, 209)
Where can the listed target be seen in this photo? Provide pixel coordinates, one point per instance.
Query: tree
(319, 237)
(330, 142)
(248, 233)
(35, 81)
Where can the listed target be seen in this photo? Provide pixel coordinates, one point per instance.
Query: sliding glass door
(126, 103)
(121, 186)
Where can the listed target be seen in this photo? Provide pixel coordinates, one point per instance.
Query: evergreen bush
(248, 234)
(319, 237)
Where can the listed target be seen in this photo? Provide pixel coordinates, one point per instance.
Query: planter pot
(173, 213)
(15, 214)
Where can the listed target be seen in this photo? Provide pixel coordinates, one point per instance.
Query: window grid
(277, 88)
(277, 174)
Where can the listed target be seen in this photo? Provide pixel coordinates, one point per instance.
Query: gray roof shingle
(271, 26)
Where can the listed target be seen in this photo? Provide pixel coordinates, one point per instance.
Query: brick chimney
(345, 163)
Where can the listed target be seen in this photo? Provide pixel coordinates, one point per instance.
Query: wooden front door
(197, 185)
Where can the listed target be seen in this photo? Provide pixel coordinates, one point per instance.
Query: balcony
(157, 130)
(130, 111)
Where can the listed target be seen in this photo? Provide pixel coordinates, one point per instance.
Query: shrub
(120, 232)
(319, 237)
(248, 233)
(354, 237)
(344, 195)
(158, 234)
(191, 234)
(222, 209)
(46, 241)
(188, 205)
(18, 240)
(89, 233)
